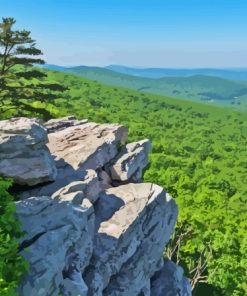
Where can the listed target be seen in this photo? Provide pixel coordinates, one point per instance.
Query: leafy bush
(12, 264)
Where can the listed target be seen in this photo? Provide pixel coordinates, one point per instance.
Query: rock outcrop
(130, 162)
(77, 147)
(23, 152)
(88, 145)
(94, 229)
(128, 246)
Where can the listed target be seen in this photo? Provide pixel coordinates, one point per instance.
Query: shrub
(12, 264)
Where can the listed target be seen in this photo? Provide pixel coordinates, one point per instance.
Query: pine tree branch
(18, 48)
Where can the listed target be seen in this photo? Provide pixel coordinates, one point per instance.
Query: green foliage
(199, 156)
(12, 265)
(20, 83)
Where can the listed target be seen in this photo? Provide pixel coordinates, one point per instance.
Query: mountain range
(191, 85)
(234, 74)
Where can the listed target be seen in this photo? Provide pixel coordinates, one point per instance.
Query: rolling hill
(232, 74)
(208, 89)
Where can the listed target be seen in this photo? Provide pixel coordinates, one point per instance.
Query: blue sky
(154, 33)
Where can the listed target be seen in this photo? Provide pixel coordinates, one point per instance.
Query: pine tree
(20, 82)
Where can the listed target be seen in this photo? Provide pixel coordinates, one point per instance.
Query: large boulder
(58, 245)
(128, 245)
(130, 162)
(77, 191)
(87, 146)
(76, 147)
(23, 152)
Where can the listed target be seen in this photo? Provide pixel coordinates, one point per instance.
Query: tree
(12, 264)
(20, 82)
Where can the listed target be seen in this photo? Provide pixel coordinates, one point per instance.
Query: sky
(137, 33)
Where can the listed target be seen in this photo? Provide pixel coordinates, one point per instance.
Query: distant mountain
(234, 74)
(196, 88)
(53, 67)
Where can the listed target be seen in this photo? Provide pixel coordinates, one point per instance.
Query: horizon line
(151, 67)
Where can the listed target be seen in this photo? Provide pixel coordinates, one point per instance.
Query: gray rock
(68, 181)
(87, 146)
(128, 245)
(23, 152)
(60, 242)
(170, 281)
(76, 191)
(78, 148)
(65, 175)
(130, 162)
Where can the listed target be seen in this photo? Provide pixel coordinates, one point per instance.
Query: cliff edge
(92, 227)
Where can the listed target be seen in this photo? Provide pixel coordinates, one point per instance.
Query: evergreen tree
(20, 82)
(12, 264)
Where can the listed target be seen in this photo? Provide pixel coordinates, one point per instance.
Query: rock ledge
(92, 227)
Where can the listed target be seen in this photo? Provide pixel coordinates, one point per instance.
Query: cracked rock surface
(92, 228)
